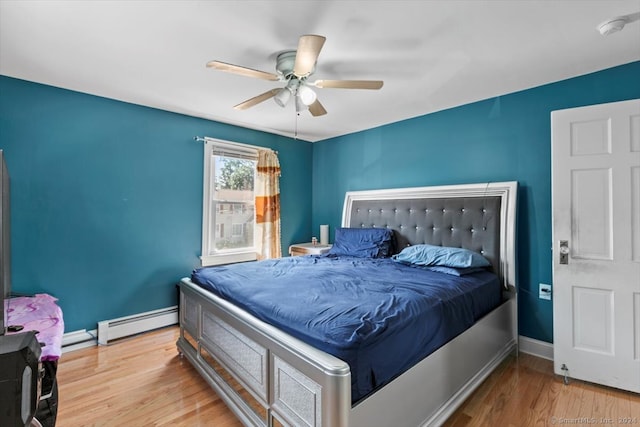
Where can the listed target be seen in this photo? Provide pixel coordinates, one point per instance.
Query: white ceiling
(432, 55)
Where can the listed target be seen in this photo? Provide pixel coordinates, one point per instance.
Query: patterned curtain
(267, 191)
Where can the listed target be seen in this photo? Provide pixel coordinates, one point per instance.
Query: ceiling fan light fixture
(282, 97)
(307, 95)
(300, 106)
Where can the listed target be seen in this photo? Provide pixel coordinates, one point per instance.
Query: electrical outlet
(545, 291)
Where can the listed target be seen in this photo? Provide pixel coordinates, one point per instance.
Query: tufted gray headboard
(479, 217)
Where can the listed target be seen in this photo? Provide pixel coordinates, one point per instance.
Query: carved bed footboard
(267, 377)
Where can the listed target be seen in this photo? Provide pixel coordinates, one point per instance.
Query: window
(238, 230)
(228, 219)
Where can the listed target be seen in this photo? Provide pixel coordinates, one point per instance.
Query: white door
(596, 217)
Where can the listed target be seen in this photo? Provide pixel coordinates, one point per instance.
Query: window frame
(213, 147)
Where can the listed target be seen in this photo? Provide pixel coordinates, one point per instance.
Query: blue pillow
(453, 270)
(363, 242)
(441, 255)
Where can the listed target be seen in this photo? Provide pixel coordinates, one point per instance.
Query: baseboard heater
(109, 330)
(76, 340)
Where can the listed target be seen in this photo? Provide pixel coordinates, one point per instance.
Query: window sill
(231, 258)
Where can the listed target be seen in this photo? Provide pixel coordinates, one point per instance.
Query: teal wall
(501, 139)
(107, 197)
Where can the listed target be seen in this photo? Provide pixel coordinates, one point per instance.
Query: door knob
(564, 252)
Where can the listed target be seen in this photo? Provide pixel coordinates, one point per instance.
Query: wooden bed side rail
(281, 377)
(427, 394)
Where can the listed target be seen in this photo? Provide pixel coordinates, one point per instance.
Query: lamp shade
(300, 106)
(282, 97)
(307, 95)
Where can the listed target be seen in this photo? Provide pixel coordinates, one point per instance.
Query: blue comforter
(379, 316)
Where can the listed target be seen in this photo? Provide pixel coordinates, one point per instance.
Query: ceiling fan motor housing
(285, 63)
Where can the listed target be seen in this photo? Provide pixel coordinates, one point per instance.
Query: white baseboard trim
(535, 347)
(76, 340)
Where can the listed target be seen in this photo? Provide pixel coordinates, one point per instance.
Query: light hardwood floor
(141, 381)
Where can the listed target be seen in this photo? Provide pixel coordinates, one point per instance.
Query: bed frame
(269, 378)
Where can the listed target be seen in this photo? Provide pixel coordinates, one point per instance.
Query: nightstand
(308, 249)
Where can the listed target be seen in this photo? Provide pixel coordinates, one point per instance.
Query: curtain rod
(255, 147)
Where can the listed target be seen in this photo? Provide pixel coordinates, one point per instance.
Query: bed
(270, 374)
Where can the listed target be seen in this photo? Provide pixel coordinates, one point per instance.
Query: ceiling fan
(295, 67)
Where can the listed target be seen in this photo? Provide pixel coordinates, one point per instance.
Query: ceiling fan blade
(316, 109)
(309, 47)
(243, 71)
(349, 84)
(256, 99)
